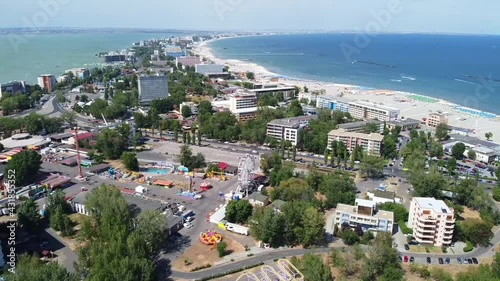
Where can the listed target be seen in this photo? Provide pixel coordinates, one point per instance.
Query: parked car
(459, 260)
(447, 260)
(407, 247)
(188, 225)
(475, 261)
(465, 261)
(428, 259)
(440, 260)
(405, 259)
(412, 259)
(469, 261)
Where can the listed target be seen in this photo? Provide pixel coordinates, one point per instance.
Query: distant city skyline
(374, 16)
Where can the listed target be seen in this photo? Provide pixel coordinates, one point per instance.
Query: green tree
(186, 111)
(389, 149)
(28, 216)
(349, 237)
(114, 249)
(152, 227)
(56, 200)
(198, 132)
(427, 184)
(130, 161)
(458, 150)
(222, 249)
(24, 166)
(268, 226)
(190, 161)
(471, 154)
(382, 260)
(441, 132)
(313, 268)
(111, 144)
(313, 227)
(488, 135)
(250, 76)
(60, 221)
(400, 212)
(31, 268)
(372, 167)
(436, 149)
(238, 211)
(295, 109)
(477, 232)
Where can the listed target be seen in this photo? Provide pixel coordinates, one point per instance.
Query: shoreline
(410, 104)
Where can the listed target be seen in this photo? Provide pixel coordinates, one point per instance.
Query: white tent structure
(219, 215)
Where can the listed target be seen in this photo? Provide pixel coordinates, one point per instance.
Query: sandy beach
(411, 105)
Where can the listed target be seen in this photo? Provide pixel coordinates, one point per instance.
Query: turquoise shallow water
(55, 53)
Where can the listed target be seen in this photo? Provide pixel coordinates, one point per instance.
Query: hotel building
(370, 143)
(333, 102)
(243, 105)
(364, 214)
(288, 128)
(209, 69)
(437, 118)
(360, 127)
(80, 73)
(368, 111)
(432, 221)
(47, 82)
(152, 87)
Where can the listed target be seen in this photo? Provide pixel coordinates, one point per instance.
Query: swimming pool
(156, 171)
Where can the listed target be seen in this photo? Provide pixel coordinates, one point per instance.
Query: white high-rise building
(432, 221)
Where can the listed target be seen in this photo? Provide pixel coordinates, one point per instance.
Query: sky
(387, 16)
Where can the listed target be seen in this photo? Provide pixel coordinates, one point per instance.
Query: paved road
(247, 262)
(268, 256)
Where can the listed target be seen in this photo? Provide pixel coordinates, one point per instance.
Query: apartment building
(333, 102)
(432, 221)
(288, 128)
(152, 87)
(209, 69)
(437, 118)
(360, 127)
(273, 89)
(405, 124)
(47, 82)
(370, 143)
(80, 73)
(13, 87)
(372, 111)
(187, 61)
(364, 214)
(241, 100)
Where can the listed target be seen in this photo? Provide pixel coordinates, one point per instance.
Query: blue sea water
(25, 56)
(440, 66)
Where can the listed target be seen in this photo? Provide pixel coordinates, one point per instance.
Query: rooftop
(294, 121)
(359, 124)
(374, 105)
(438, 206)
(379, 214)
(278, 203)
(484, 150)
(257, 196)
(10, 143)
(273, 89)
(474, 141)
(245, 110)
(405, 121)
(344, 133)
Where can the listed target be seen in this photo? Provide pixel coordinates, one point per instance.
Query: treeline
(12, 103)
(32, 123)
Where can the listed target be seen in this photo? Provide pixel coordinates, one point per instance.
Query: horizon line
(323, 31)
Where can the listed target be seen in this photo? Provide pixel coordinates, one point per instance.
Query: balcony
(423, 225)
(424, 236)
(426, 218)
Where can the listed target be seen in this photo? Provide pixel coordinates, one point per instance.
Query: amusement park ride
(246, 170)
